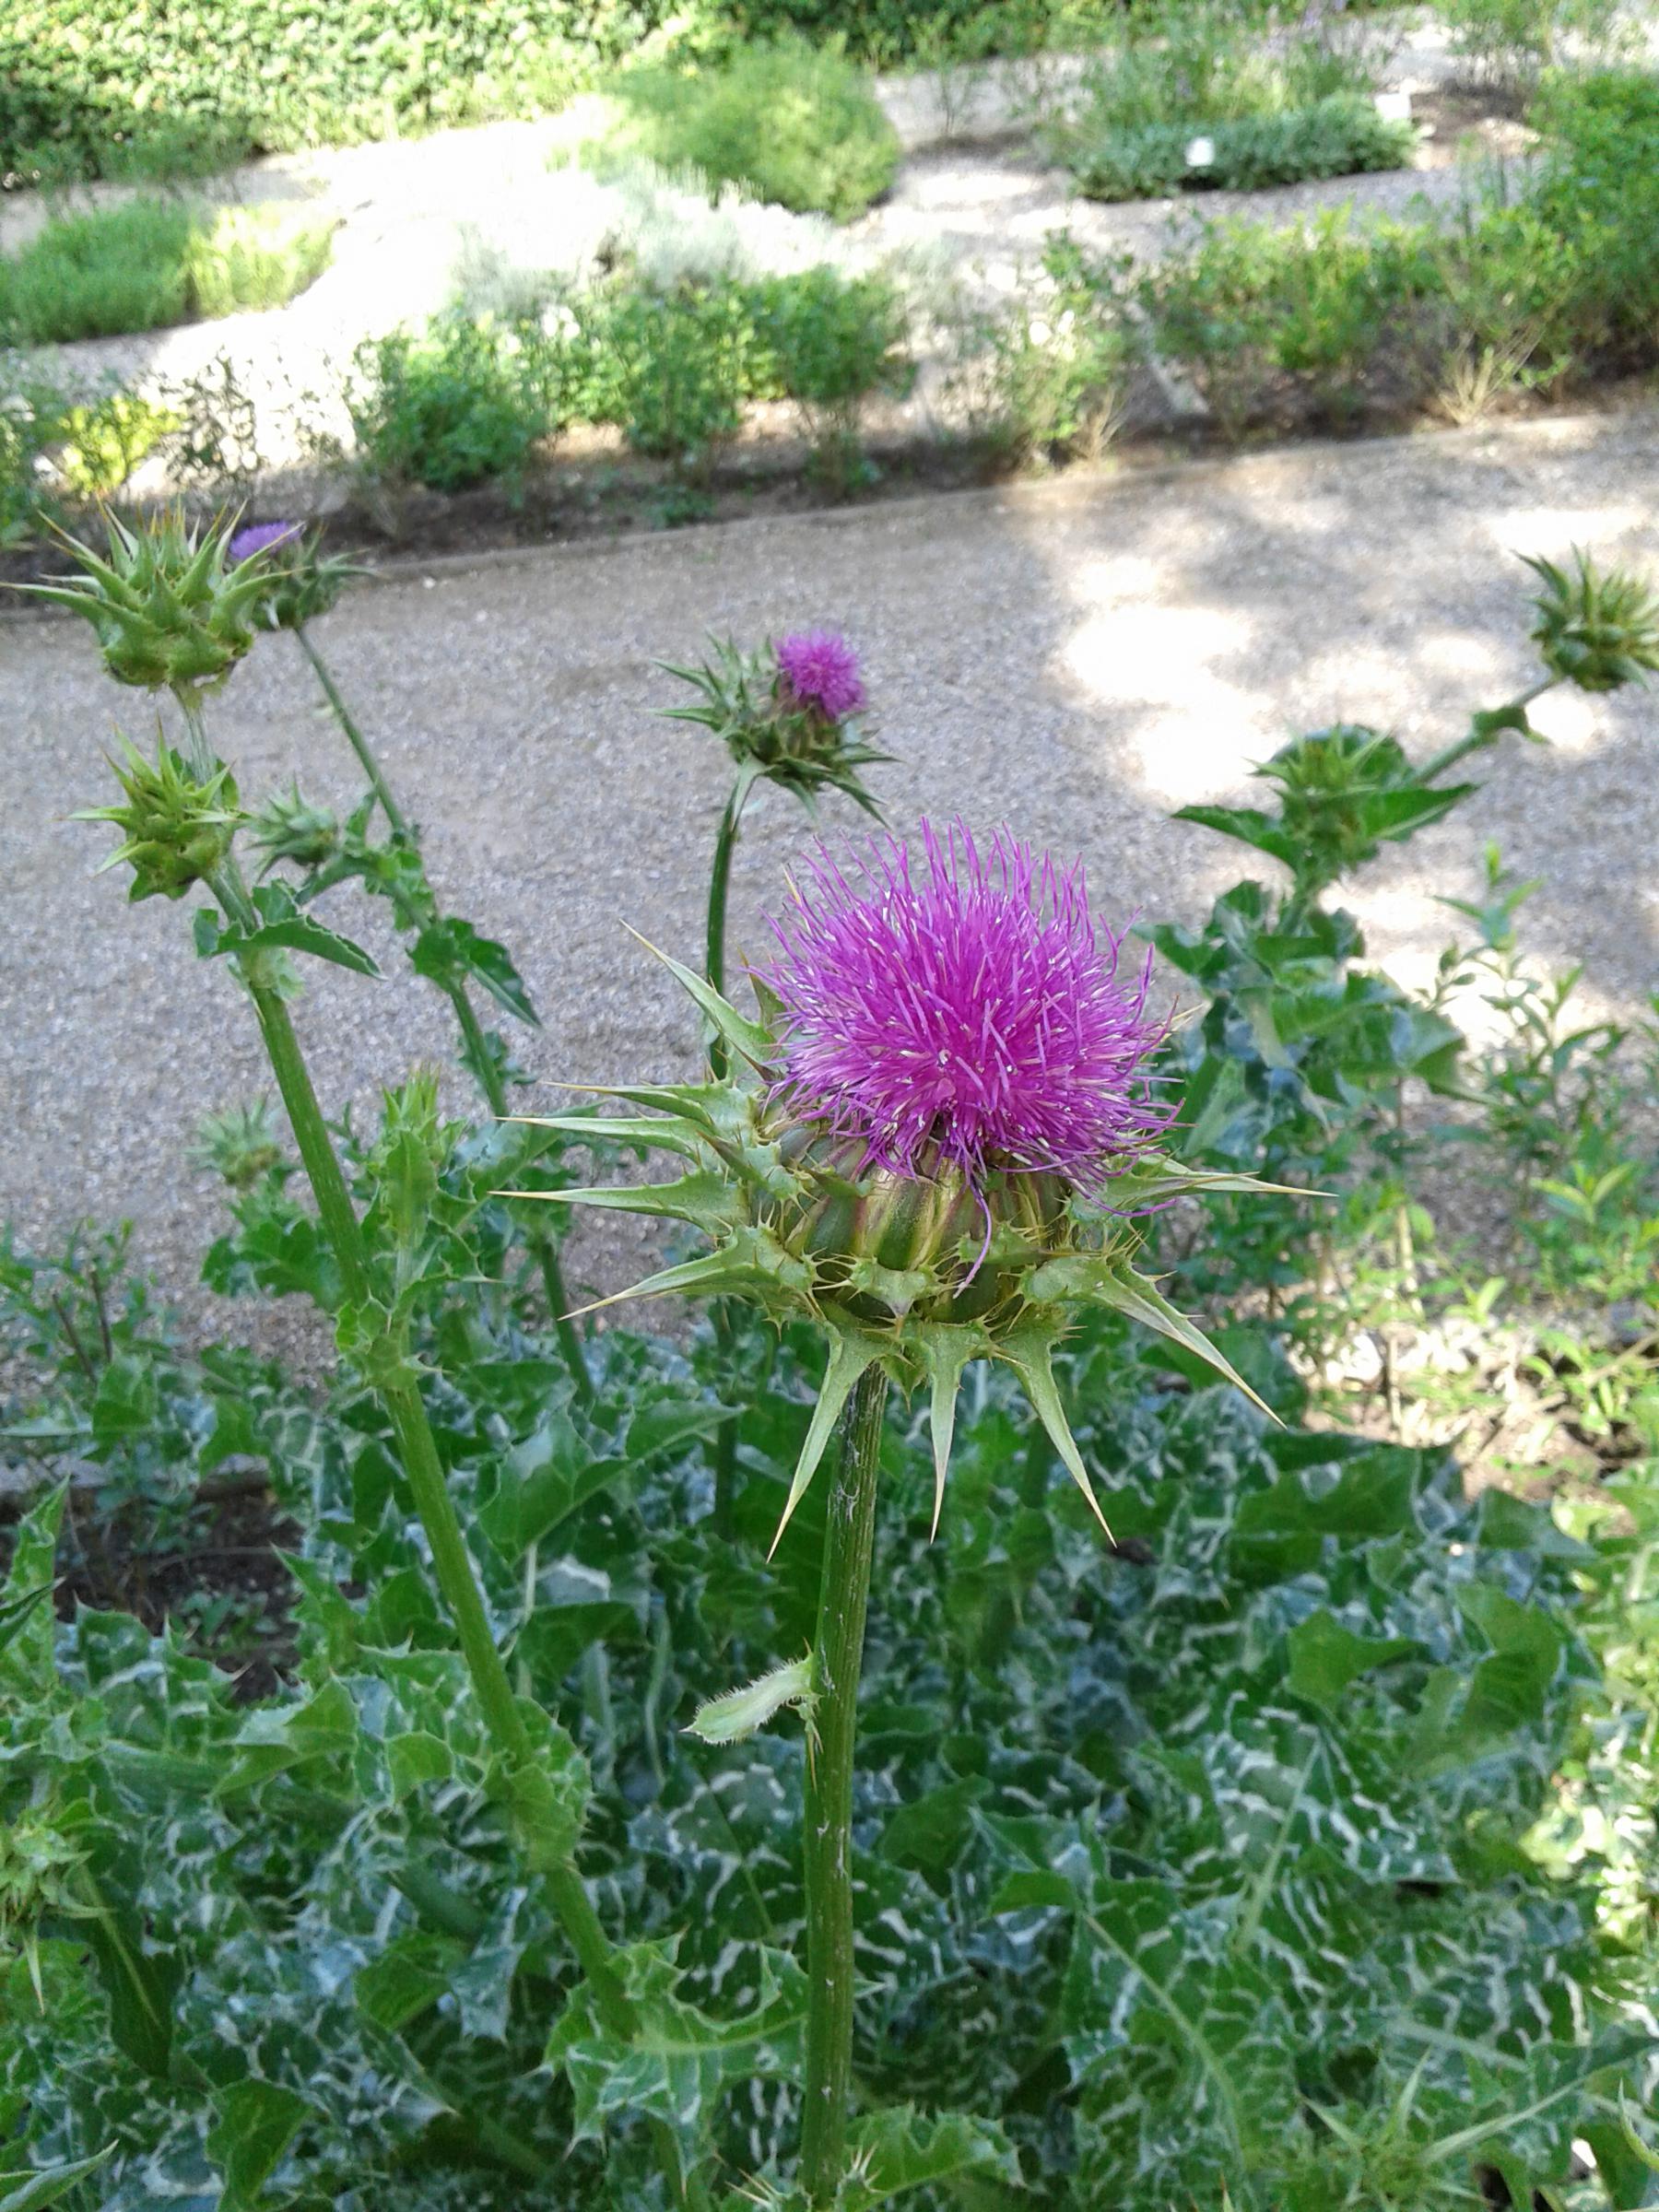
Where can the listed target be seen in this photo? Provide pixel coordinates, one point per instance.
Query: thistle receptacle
(790, 714)
(1597, 629)
(172, 608)
(936, 1136)
(178, 824)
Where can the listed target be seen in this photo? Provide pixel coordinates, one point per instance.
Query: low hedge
(790, 122)
(102, 87)
(96, 87)
(1335, 137)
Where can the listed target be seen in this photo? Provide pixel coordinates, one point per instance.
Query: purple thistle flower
(970, 1016)
(259, 537)
(820, 669)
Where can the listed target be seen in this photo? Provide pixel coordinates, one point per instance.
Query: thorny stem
(359, 744)
(451, 1563)
(838, 1651)
(475, 1047)
(720, 884)
(1478, 739)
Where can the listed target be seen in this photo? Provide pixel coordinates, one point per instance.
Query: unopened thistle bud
(938, 1135)
(288, 827)
(239, 1144)
(790, 713)
(1597, 630)
(171, 610)
(178, 826)
(300, 582)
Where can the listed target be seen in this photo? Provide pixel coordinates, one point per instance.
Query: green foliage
(96, 87)
(149, 263)
(674, 371)
(32, 419)
(1510, 44)
(103, 442)
(1339, 136)
(1250, 309)
(835, 341)
(1335, 315)
(455, 407)
(793, 123)
(891, 33)
(1046, 379)
(1599, 195)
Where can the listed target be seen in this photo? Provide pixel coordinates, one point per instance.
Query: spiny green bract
(171, 609)
(1598, 629)
(899, 1270)
(179, 826)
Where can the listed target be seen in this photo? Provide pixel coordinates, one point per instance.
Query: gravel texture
(1076, 658)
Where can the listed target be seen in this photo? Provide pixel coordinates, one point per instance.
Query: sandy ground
(1074, 658)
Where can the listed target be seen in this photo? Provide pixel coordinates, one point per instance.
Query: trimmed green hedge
(91, 87)
(1337, 137)
(101, 88)
(795, 124)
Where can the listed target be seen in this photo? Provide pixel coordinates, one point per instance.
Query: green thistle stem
(843, 1600)
(475, 1048)
(359, 744)
(452, 1562)
(1478, 739)
(720, 883)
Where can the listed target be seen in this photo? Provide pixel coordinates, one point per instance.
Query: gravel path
(1076, 658)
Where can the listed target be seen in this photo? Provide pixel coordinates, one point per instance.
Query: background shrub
(1510, 44)
(150, 263)
(672, 367)
(833, 341)
(1249, 307)
(1599, 198)
(1338, 136)
(94, 86)
(456, 407)
(793, 124)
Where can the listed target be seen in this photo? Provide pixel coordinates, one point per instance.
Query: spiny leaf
(946, 1351)
(1029, 1350)
(849, 1354)
(1115, 1284)
(749, 1038)
(660, 1133)
(704, 1199)
(728, 1719)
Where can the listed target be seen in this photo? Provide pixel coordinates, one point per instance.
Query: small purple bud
(820, 669)
(259, 537)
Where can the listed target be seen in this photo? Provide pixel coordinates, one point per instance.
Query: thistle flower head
(260, 538)
(964, 1010)
(171, 609)
(179, 824)
(936, 1138)
(819, 669)
(289, 826)
(1596, 628)
(787, 714)
(300, 580)
(240, 1144)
